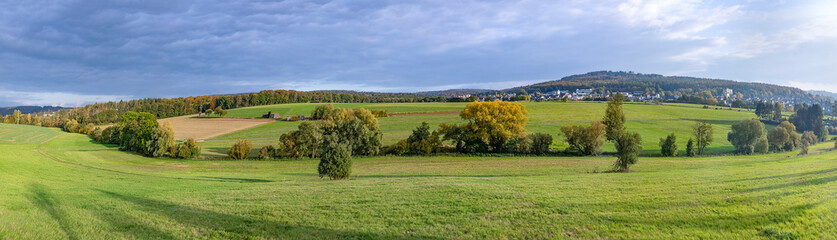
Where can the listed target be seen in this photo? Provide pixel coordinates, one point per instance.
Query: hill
(610, 81)
(454, 92)
(28, 109)
(823, 93)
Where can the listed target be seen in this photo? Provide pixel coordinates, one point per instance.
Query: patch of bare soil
(205, 128)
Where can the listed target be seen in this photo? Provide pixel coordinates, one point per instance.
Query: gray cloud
(98, 49)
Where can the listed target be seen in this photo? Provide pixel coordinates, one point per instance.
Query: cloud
(182, 48)
(676, 19)
(63, 99)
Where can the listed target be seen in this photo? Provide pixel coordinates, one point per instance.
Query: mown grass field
(68, 187)
(651, 121)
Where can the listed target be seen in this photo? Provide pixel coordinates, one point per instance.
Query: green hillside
(651, 121)
(71, 188)
(306, 108)
(16, 133)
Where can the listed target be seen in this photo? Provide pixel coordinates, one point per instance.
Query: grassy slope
(15, 133)
(651, 121)
(306, 108)
(71, 188)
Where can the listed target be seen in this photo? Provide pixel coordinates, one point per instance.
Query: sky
(70, 53)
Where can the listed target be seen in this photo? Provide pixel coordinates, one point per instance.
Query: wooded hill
(28, 109)
(609, 81)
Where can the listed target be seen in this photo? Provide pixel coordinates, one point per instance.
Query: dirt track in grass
(205, 128)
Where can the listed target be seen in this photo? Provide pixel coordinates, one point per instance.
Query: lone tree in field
(702, 132)
(614, 119)
(628, 144)
(668, 146)
(627, 149)
(336, 159)
(745, 135)
(584, 140)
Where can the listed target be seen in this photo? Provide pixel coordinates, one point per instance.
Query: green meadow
(56, 185)
(651, 121)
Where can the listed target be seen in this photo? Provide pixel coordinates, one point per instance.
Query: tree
(584, 140)
(490, 125)
(240, 150)
(135, 129)
(357, 129)
(668, 146)
(614, 119)
(810, 138)
(336, 159)
(702, 133)
(746, 134)
(627, 150)
(321, 111)
(495, 122)
(208, 112)
(161, 142)
(690, 148)
(423, 141)
(16, 117)
(810, 119)
(783, 137)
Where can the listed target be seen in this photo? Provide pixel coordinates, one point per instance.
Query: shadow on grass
(795, 184)
(41, 197)
(212, 224)
(248, 180)
(393, 176)
(790, 175)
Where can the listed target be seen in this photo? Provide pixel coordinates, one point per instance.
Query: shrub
(762, 146)
(584, 140)
(540, 143)
(380, 113)
(835, 145)
(746, 134)
(267, 152)
(399, 148)
(188, 149)
(422, 141)
(240, 150)
(336, 159)
(668, 146)
(288, 147)
(628, 146)
(810, 138)
(690, 148)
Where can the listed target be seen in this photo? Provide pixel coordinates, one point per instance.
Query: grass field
(71, 188)
(306, 108)
(651, 121)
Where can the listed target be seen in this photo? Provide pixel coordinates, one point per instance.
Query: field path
(206, 128)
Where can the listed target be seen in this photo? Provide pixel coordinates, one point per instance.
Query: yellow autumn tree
(495, 122)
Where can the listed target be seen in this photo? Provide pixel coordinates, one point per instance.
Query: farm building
(271, 115)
